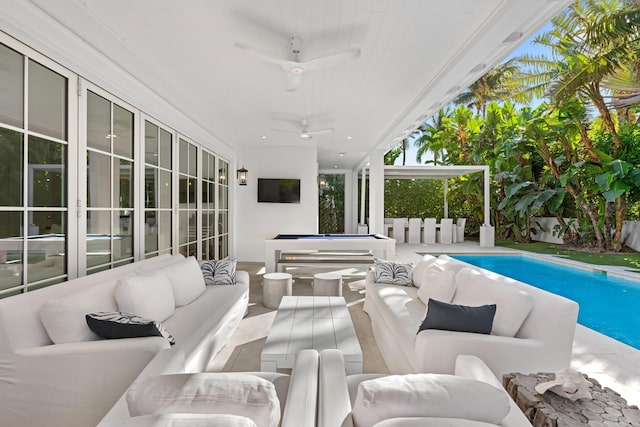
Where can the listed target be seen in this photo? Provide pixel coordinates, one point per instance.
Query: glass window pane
(46, 253)
(193, 160)
(222, 197)
(205, 225)
(98, 122)
(11, 249)
(205, 165)
(11, 165)
(98, 183)
(150, 187)
(11, 87)
(150, 232)
(192, 193)
(98, 237)
(164, 189)
(212, 198)
(122, 184)
(47, 160)
(47, 101)
(183, 184)
(223, 227)
(47, 223)
(212, 168)
(223, 172)
(165, 149)
(184, 156)
(164, 230)
(123, 132)
(183, 227)
(150, 143)
(223, 246)
(122, 234)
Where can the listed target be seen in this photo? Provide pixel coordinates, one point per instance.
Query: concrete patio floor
(612, 363)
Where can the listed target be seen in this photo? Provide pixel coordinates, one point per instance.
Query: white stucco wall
(632, 229)
(255, 221)
(547, 223)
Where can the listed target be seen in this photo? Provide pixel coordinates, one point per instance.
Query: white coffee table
(311, 322)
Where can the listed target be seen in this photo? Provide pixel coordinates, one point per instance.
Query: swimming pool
(608, 304)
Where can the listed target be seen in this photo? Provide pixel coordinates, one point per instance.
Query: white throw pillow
(208, 393)
(146, 295)
(437, 284)
(428, 395)
(186, 280)
(431, 422)
(184, 420)
(450, 264)
(418, 271)
(64, 317)
(475, 288)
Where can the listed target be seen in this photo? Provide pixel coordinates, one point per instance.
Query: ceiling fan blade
(329, 60)
(320, 131)
(295, 132)
(293, 82)
(261, 55)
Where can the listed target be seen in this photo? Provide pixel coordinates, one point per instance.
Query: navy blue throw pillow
(460, 318)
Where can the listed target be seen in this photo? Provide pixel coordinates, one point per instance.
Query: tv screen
(278, 190)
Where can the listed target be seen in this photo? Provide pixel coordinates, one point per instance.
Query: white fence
(630, 231)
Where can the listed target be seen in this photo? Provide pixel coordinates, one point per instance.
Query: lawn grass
(625, 259)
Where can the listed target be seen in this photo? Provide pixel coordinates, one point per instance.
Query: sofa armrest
(334, 403)
(473, 367)
(436, 351)
(86, 377)
(242, 277)
(302, 397)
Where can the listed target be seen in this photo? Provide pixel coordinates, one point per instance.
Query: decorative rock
(606, 409)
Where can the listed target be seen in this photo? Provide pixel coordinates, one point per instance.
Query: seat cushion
(184, 420)
(209, 393)
(431, 422)
(428, 395)
(146, 295)
(186, 280)
(474, 288)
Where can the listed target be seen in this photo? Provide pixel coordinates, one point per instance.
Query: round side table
(327, 284)
(274, 287)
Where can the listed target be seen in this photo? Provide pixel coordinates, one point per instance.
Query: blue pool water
(608, 304)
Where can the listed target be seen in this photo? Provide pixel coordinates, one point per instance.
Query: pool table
(381, 246)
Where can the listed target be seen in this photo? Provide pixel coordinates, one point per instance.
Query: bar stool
(274, 287)
(327, 284)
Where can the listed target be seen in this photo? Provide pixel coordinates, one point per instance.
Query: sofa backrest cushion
(428, 395)
(213, 393)
(474, 287)
(450, 264)
(146, 295)
(417, 275)
(437, 284)
(186, 280)
(64, 317)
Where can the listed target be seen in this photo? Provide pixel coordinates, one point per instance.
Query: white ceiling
(415, 56)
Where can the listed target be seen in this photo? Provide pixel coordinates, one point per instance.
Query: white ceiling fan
(295, 68)
(306, 133)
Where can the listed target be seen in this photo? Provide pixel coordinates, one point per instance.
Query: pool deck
(614, 364)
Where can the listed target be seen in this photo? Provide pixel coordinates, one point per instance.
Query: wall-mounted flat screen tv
(278, 190)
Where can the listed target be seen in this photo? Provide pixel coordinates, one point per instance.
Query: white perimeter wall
(630, 231)
(255, 221)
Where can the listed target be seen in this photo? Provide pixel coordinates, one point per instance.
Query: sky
(526, 47)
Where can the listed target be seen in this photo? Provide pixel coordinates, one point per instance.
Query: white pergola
(444, 173)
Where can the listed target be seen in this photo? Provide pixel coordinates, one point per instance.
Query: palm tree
(431, 137)
(492, 86)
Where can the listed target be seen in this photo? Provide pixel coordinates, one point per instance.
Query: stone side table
(327, 284)
(607, 408)
(274, 287)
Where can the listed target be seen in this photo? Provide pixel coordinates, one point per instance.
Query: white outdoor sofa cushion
(338, 393)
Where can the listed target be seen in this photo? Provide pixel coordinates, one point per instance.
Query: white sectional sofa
(532, 331)
(341, 405)
(74, 378)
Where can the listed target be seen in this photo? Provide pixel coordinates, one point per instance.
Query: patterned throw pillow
(115, 324)
(219, 272)
(394, 273)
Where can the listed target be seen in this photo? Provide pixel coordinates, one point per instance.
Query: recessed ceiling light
(341, 154)
(296, 70)
(349, 137)
(335, 166)
(477, 68)
(305, 135)
(263, 137)
(515, 36)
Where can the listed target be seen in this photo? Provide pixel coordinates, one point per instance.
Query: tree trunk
(598, 101)
(607, 224)
(620, 204)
